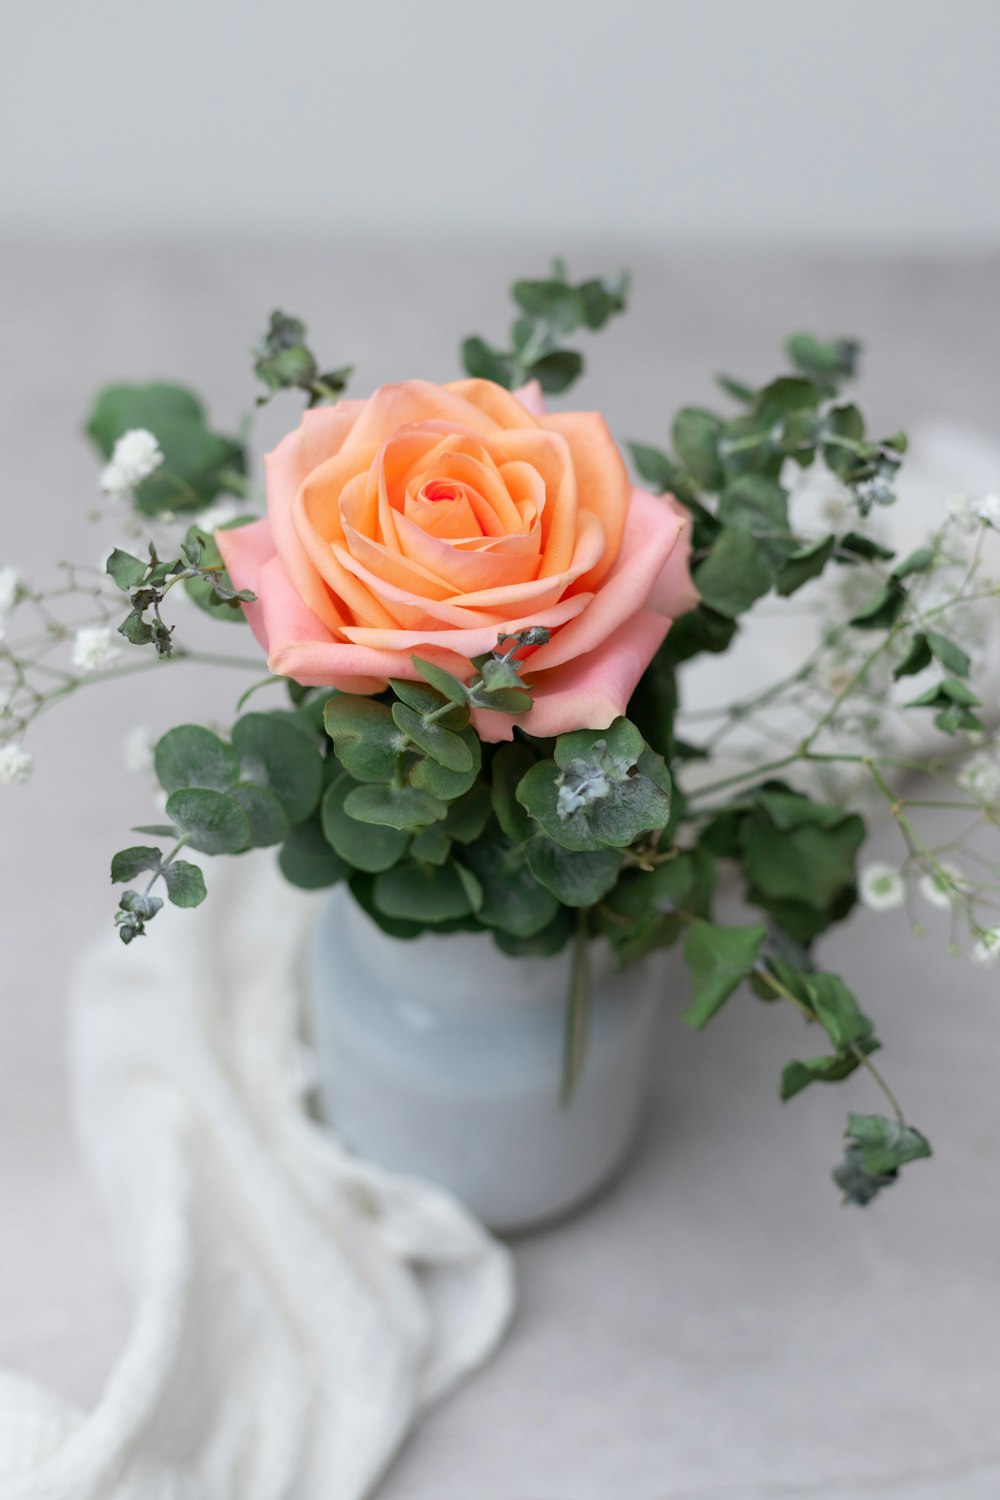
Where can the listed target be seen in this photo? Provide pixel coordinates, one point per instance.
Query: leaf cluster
(198, 463)
(729, 469)
(548, 311)
(284, 362)
(147, 583)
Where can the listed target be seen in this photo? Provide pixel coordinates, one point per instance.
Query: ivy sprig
(548, 310)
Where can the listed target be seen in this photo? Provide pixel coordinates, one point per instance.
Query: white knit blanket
(294, 1309)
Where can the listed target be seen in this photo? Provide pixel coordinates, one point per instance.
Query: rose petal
(651, 533)
(588, 693)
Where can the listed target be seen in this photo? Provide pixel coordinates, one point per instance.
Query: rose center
(441, 489)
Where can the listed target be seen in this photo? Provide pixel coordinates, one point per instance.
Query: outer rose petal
(674, 593)
(588, 693)
(531, 398)
(297, 643)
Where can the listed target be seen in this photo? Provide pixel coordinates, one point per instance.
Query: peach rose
(428, 519)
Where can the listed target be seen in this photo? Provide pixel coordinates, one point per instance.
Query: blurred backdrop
(865, 123)
(170, 172)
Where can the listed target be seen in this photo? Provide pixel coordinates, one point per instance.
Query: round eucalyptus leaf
(364, 846)
(209, 821)
(192, 756)
(274, 752)
(268, 820)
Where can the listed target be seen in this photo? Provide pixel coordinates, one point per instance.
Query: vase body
(440, 1057)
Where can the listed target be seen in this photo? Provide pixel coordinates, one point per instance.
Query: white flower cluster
(987, 950)
(15, 765)
(969, 514)
(94, 648)
(136, 455)
(881, 887)
(980, 776)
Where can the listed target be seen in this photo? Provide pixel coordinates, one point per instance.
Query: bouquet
(478, 634)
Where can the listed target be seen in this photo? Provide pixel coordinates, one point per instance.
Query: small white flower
(218, 514)
(15, 765)
(988, 511)
(987, 950)
(10, 582)
(980, 776)
(137, 749)
(881, 887)
(938, 886)
(94, 648)
(136, 455)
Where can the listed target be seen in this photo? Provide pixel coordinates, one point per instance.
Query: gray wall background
(865, 124)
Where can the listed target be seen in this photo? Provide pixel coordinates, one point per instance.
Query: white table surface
(717, 1326)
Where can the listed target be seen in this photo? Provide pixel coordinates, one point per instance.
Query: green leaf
(307, 860)
(485, 363)
(955, 700)
(884, 609)
(468, 815)
(551, 940)
(433, 739)
(365, 737)
(877, 1148)
(121, 407)
(917, 562)
(195, 459)
(826, 361)
(695, 435)
(854, 546)
(802, 565)
(557, 371)
(422, 893)
(438, 782)
(209, 821)
(365, 846)
(511, 763)
(804, 875)
(126, 570)
(917, 658)
(448, 686)
(269, 823)
(755, 504)
(135, 629)
(797, 1076)
(577, 879)
(128, 863)
(424, 699)
(734, 575)
(720, 959)
(191, 756)
(837, 1010)
(659, 471)
(512, 899)
(185, 883)
(274, 752)
(949, 654)
(393, 807)
(431, 845)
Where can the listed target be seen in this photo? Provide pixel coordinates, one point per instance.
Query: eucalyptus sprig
(284, 362)
(548, 310)
(148, 583)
